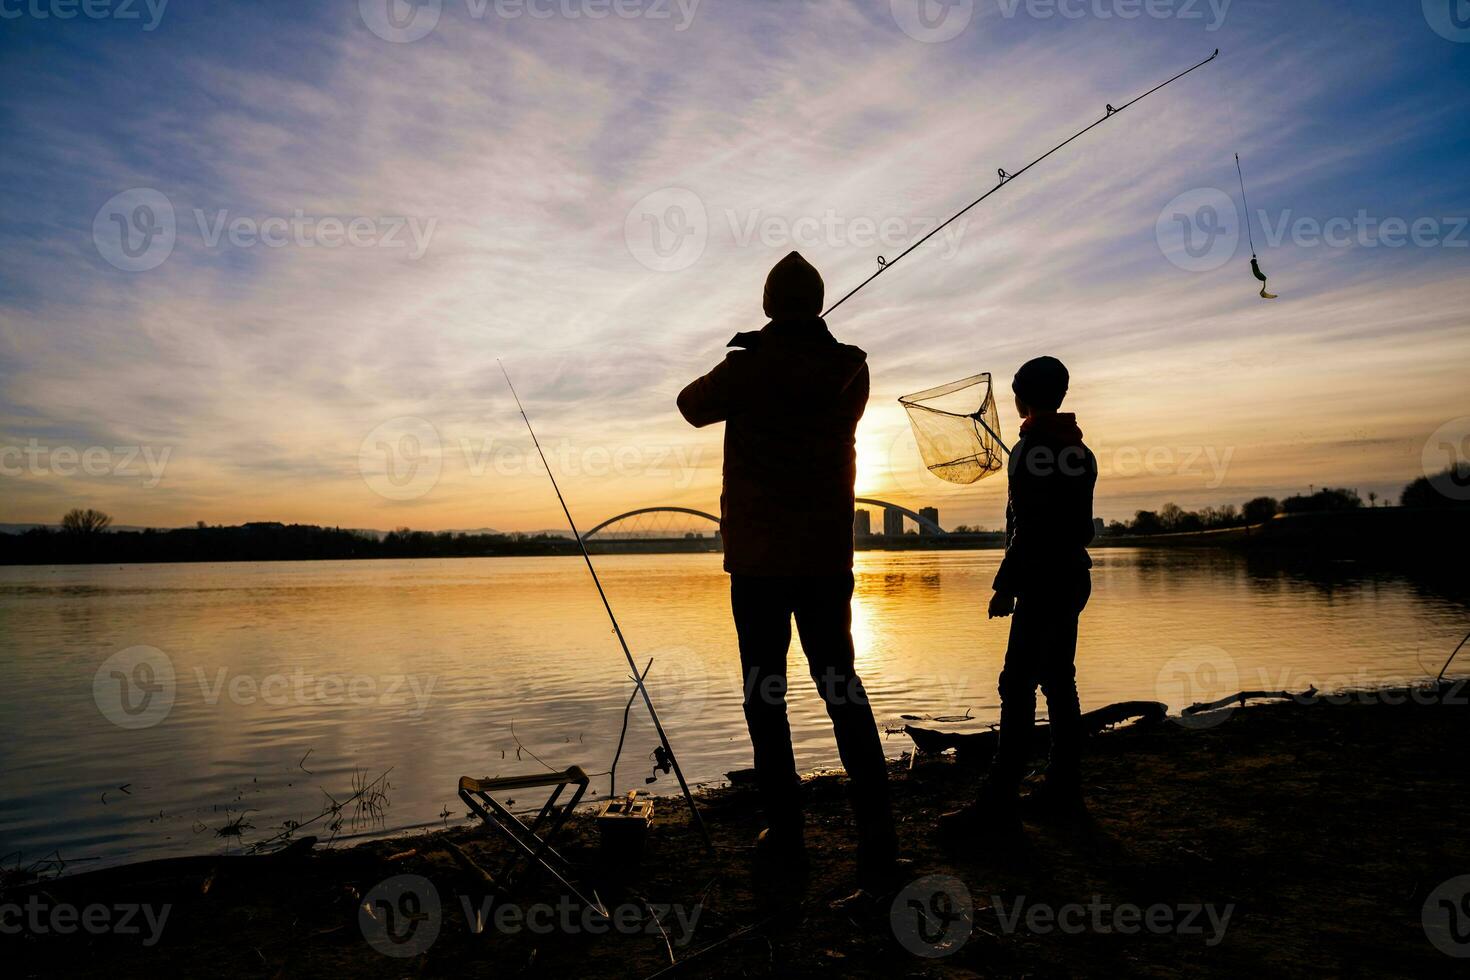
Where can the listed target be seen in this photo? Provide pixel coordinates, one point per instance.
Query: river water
(145, 707)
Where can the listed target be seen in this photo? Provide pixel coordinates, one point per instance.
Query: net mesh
(956, 427)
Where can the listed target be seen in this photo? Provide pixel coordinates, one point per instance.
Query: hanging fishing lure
(1255, 262)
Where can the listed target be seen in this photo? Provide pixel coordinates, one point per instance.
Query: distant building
(892, 522)
(929, 514)
(1098, 526)
(862, 524)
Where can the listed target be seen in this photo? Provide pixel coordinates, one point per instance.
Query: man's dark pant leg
(762, 611)
(823, 608)
(1042, 651)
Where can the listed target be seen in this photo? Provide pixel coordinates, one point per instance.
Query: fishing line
(632, 665)
(1005, 178)
(1245, 201)
(1255, 262)
(1228, 97)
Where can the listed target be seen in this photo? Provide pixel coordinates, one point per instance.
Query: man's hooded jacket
(790, 396)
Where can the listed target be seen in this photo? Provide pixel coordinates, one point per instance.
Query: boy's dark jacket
(790, 397)
(1049, 511)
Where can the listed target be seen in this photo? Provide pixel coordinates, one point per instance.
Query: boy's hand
(1002, 605)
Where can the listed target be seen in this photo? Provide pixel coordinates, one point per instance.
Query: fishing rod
(637, 677)
(1005, 178)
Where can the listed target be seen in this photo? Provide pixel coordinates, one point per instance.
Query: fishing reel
(662, 763)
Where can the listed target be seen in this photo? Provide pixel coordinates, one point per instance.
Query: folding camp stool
(532, 849)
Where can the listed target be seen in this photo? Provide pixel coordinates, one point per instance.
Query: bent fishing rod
(1005, 178)
(637, 677)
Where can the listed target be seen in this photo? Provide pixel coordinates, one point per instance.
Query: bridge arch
(651, 510)
(927, 525)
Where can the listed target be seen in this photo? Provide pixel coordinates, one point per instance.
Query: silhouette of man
(1045, 581)
(790, 397)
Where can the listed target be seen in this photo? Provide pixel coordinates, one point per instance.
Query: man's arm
(709, 399)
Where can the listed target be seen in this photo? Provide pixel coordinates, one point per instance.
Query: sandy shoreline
(1284, 836)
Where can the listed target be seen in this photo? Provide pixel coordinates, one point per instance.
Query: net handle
(993, 434)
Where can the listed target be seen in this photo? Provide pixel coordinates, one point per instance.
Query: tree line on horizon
(1425, 492)
(87, 535)
(1173, 519)
(84, 536)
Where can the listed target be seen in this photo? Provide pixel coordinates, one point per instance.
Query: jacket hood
(794, 288)
(1056, 427)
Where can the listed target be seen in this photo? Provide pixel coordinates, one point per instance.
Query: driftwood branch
(1241, 697)
(980, 746)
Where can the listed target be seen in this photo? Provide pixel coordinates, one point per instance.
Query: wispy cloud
(518, 148)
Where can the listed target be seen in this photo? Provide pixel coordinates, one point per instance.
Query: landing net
(956, 426)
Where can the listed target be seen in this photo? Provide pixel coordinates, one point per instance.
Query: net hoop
(957, 431)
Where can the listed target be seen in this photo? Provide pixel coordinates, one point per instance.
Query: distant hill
(261, 541)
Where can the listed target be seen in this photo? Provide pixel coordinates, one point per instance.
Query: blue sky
(506, 174)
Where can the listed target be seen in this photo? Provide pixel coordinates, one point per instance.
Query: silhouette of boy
(791, 396)
(1044, 580)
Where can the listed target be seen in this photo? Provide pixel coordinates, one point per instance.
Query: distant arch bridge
(661, 523)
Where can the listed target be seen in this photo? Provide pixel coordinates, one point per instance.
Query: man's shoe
(884, 876)
(877, 884)
(779, 844)
(992, 815)
(860, 905)
(1055, 803)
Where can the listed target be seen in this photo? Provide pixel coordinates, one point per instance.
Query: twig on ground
(661, 931)
(735, 936)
